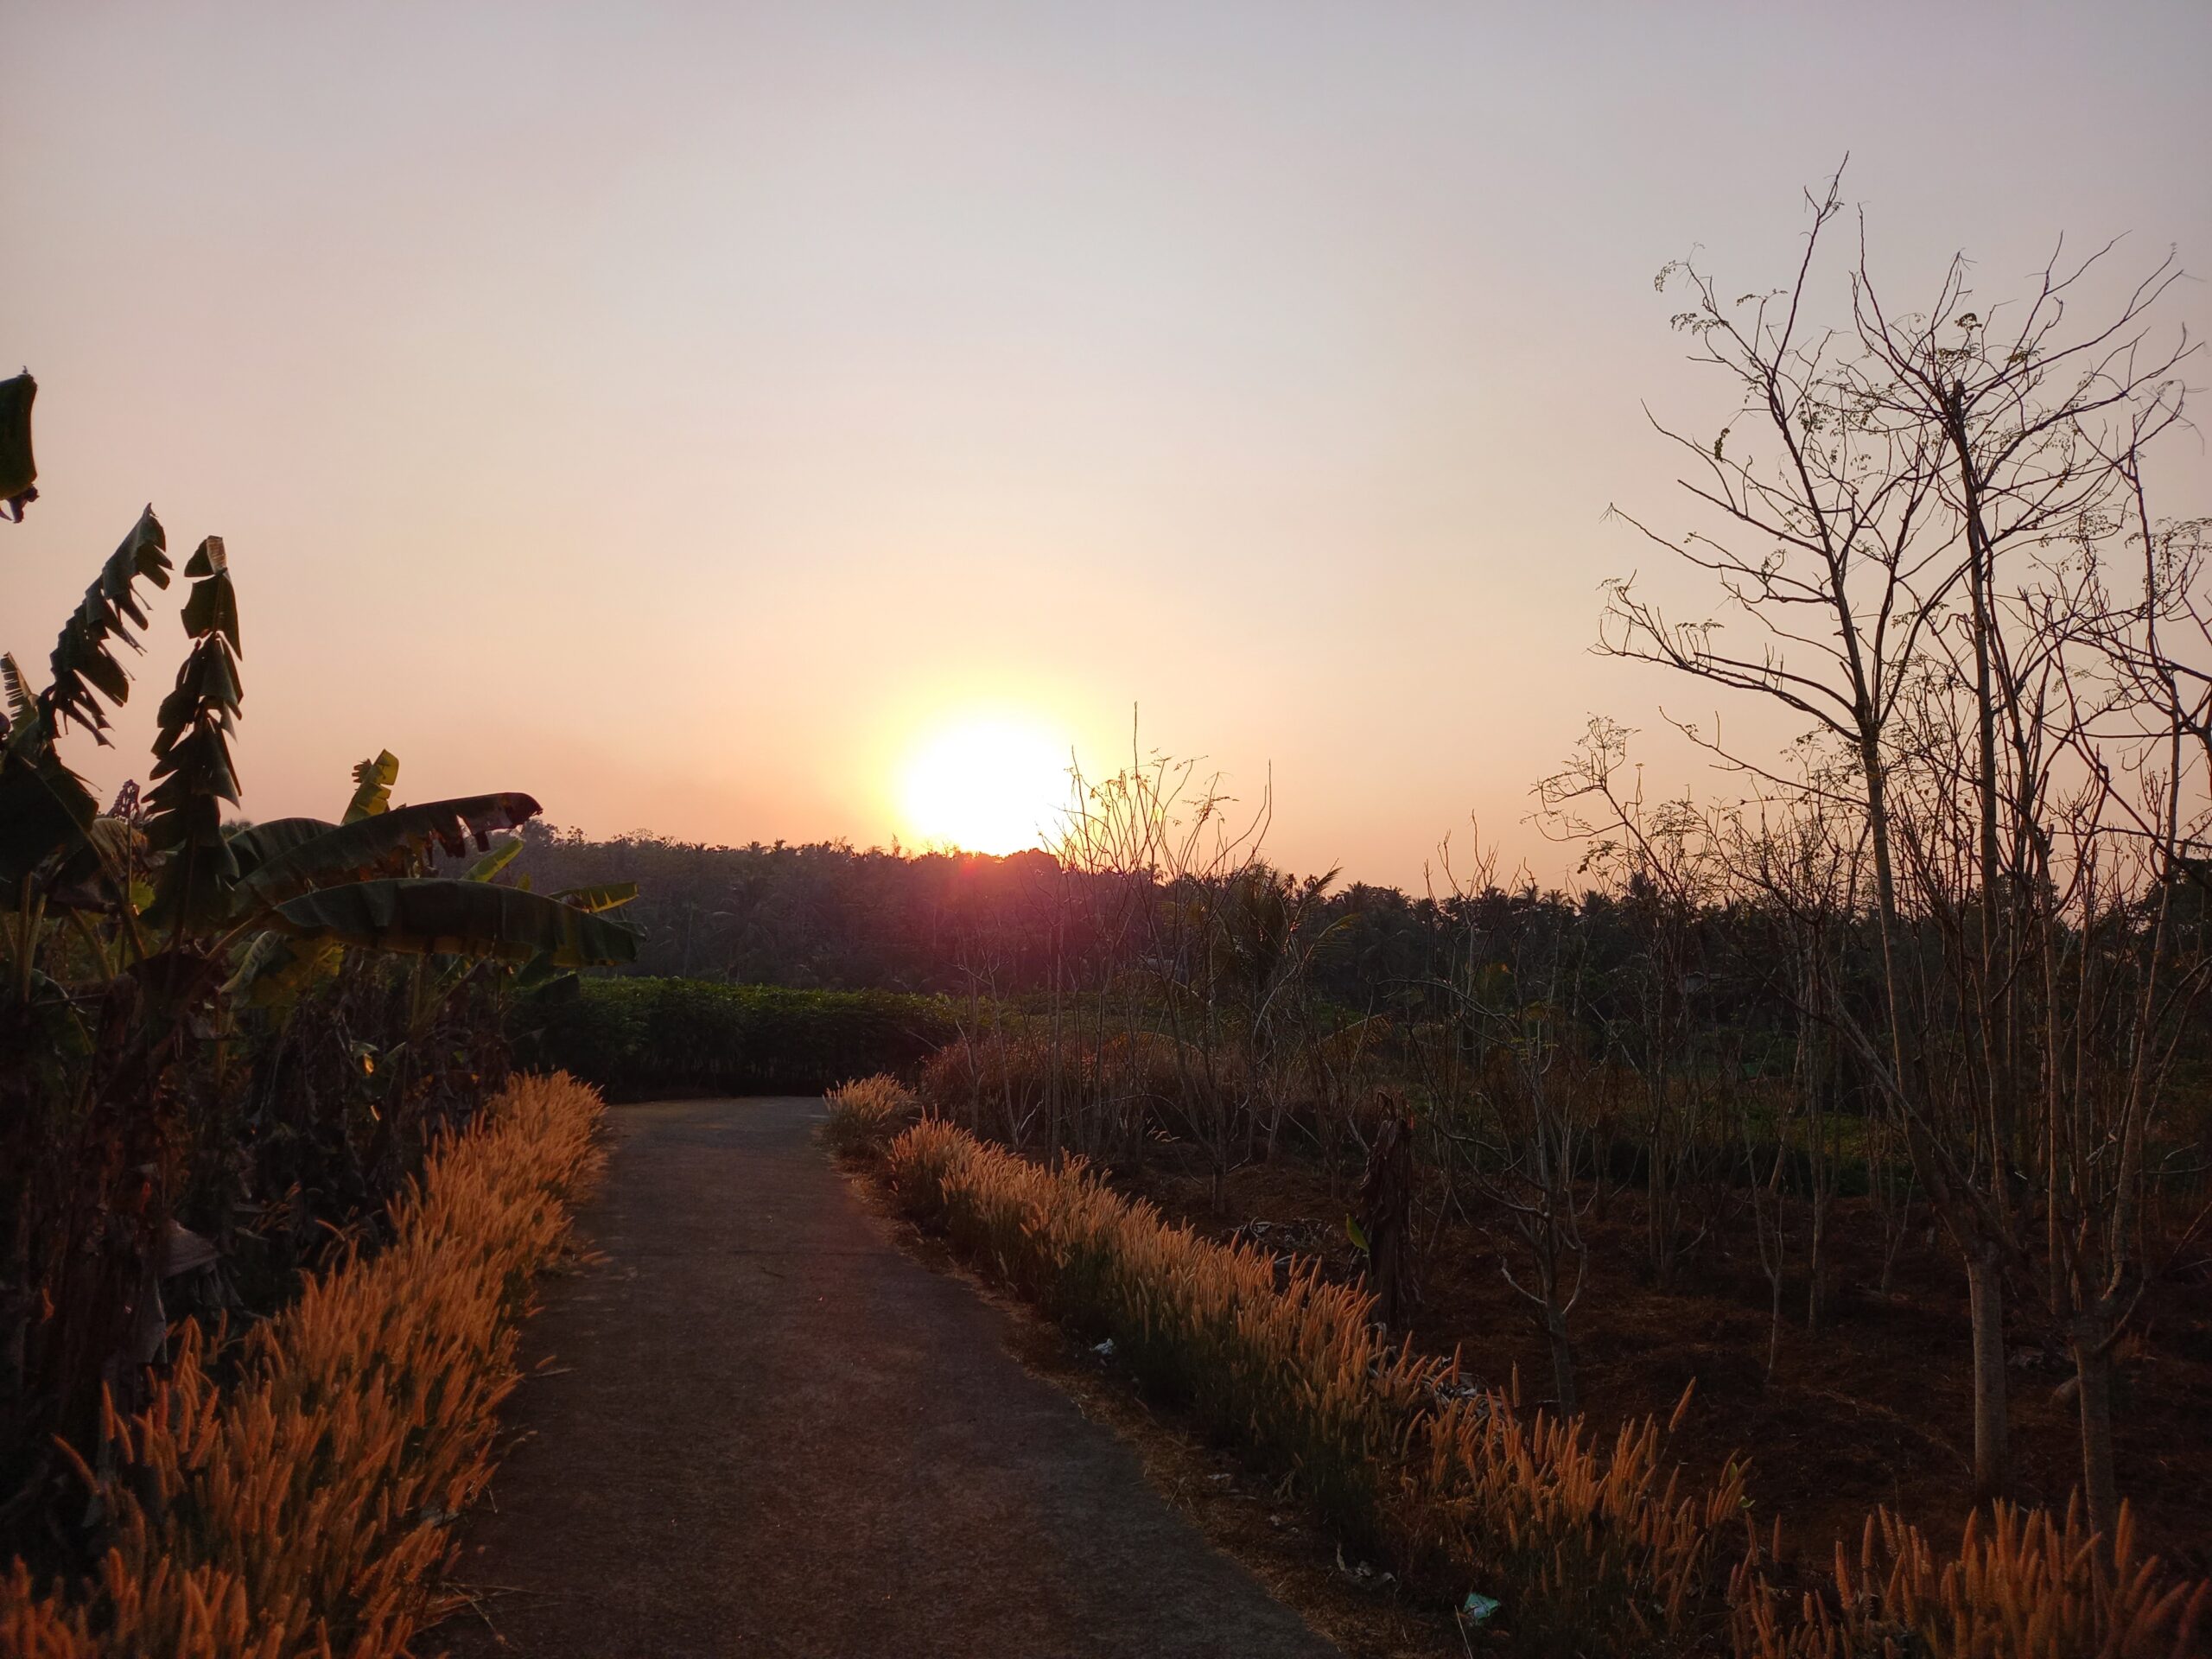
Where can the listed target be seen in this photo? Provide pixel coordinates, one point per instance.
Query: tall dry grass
(866, 1114)
(2024, 1584)
(1593, 1549)
(1590, 1549)
(306, 1508)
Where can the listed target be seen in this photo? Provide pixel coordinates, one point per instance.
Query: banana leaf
(274, 968)
(372, 782)
(495, 861)
(374, 844)
(22, 701)
(82, 663)
(453, 916)
(45, 811)
(212, 606)
(103, 872)
(610, 895)
(17, 469)
(258, 843)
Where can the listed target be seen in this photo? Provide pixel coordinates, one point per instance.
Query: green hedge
(639, 1037)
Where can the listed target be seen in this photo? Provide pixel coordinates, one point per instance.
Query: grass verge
(305, 1508)
(1585, 1548)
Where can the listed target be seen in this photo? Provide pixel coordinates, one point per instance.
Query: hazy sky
(683, 412)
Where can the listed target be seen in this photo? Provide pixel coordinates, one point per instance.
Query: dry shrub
(2024, 1585)
(1603, 1551)
(1003, 1083)
(998, 1082)
(305, 1508)
(865, 1114)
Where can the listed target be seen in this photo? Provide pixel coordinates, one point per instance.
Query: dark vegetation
(226, 1048)
(639, 1038)
(1836, 1357)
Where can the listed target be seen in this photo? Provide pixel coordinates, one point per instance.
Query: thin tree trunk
(1562, 1360)
(1985, 1296)
(1386, 1202)
(2093, 1376)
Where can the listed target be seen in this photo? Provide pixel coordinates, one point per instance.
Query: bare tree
(1521, 1100)
(1887, 514)
(2116, 896)
(1658, 861)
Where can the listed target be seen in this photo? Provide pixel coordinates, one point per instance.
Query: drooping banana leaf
(610, 895)
(258, 843)
(212, 606)
(495, 861)
(45, 813)
(371, 845)
(275, 967)
(104, 872)
(452, 916)
(541, 972)
(372, 782)
(83, 663)
(18, 470)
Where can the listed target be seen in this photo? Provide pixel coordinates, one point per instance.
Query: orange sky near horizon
(687, 414)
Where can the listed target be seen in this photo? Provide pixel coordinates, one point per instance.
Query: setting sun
(989, 785)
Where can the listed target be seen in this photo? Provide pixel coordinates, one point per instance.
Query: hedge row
(305, 1510)
(637, 1037)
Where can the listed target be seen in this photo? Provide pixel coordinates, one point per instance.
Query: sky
(691, 414)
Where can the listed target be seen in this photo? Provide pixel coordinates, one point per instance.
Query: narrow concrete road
(766, 1431)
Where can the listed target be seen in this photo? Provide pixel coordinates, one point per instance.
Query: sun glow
(989, 785)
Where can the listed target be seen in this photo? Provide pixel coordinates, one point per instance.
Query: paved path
(776, 1434)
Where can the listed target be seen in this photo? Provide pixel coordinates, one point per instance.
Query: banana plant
(364, 881)
(46, 810)
(133, 944)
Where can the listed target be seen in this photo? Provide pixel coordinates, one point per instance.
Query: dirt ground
(1875, 1410)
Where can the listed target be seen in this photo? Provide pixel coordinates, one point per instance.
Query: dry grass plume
(305, 1508)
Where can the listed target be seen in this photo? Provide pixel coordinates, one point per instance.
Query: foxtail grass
(2026, 1584)
(306, 1508)
(1592, 1546)
(865, 1114)
(1590, 1549)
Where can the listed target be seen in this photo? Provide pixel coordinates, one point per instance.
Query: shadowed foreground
(766, 1431)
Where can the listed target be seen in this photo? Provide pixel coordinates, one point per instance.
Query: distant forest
(827, 916)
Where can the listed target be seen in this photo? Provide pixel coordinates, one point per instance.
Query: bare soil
(1872, 1410)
